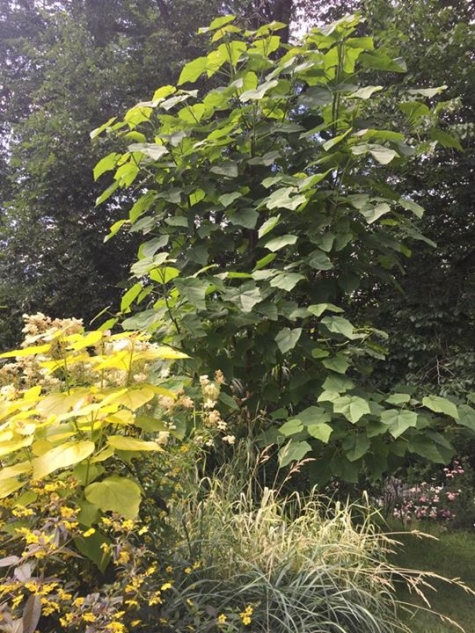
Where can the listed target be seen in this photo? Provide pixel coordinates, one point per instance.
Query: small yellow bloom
(66, 512)
(128, 524)
(222, 618)
(115, 627)
(88, 617)
(167, 585)
(89, 532)
(123, 557)
(246, 615)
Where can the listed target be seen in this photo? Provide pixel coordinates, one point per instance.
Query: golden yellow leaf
(123, 443)
(62, 457)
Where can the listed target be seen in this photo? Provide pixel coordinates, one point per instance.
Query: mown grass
(449, 554)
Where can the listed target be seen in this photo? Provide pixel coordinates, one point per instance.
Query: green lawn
(451, 556)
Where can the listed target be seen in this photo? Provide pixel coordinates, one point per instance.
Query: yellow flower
(155, 599)
(88, 617)
(22, 512)
(116, 627)
(246, 615)
(66, 512)
(222, 618)
(123, 557)
(89, 532)
(167, 585)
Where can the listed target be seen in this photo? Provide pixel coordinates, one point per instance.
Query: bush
(93, 441)
(278, 564)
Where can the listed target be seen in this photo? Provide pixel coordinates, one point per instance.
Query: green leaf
(164, 274)
(228, 168)
(129, 297)
(292, 427)
(249, 298)
(287, 339)
(337, 383)
(399, 421)
(268, 226)
(425, 447)
(62, 456)
(427, 92)
(319, 308)
(414, 110)
(337, 363)
(261, 263)
(93, 548)
(152, 150)
(245, 217)
(344, 469)
(228, 198)
(293, 452)
(383, 155)
(410, 205)
(445, 139)
(191, 71)
(352, 407)
(313, 415)
(467, 416)
(115, 228)
(258, 93)
(229, 401)
(355, 446)
(327, 145)
(373, 213)
(380, 61)
(163, 92)
(365, 93)
(280, 242)
(149, 424)
(320, 431)
(115, 494)
(217, 23)
(338, 325)
(398, 398)
(98, 131)
(105, 195)
(441, 405)
(286, 281)
(319, 260)
(107, 163)
(194, 291)
(282, 199)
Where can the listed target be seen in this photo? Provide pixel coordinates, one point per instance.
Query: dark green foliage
(66, 68)
(430, 320)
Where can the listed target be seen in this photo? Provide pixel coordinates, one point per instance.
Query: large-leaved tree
(267, 204)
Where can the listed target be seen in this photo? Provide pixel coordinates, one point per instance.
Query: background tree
(66, 68)
(430, 321)
(269, 204)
